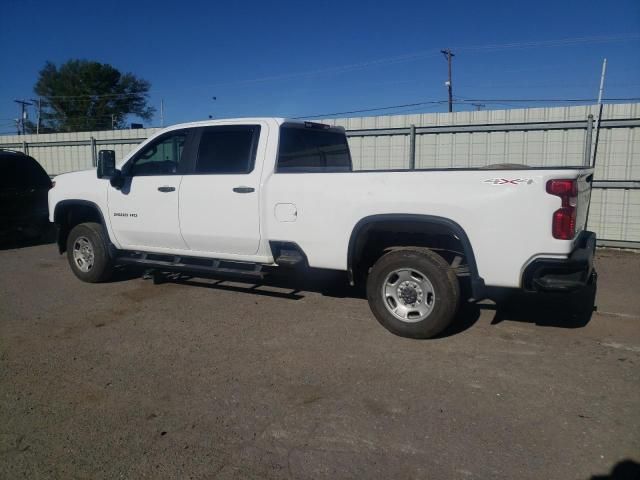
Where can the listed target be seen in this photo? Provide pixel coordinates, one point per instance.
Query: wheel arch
(422, 223)
(69, 213)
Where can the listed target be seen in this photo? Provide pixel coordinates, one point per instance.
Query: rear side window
(312, 150)
(229, 149)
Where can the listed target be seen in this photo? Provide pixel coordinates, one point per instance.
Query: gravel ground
(207, 379)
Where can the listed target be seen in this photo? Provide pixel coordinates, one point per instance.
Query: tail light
(564, 219)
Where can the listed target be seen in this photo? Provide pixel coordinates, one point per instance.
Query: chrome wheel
(408, 295)
(83, 254)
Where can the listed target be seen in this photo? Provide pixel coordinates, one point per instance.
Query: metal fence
(67, 152)
(535, 137)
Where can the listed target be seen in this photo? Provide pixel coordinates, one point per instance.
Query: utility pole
(23, 114)
(600, 108)
(448, 55)
(162, 112)
(39, 102)
(479, 106)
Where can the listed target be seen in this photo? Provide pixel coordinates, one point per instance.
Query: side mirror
(106, 164)
(107, 168)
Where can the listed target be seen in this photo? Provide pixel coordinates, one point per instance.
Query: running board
(191, 264)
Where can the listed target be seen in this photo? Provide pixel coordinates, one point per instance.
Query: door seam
(180, 214)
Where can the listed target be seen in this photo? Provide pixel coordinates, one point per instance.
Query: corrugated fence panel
(57, 159)
(615, 214)
(474, 149)
(620, 150)
(534, 148)
(479, 149)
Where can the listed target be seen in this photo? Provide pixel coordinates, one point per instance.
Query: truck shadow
(289, 285)
(542, 310)
(572, 310)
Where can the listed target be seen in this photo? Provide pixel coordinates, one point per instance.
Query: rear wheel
(88, 253)
(413, 292)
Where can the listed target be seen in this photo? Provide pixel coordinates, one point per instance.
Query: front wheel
(88, 253)
(413, 292)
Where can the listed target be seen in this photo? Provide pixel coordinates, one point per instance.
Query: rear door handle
(244, 189)
(166, 189)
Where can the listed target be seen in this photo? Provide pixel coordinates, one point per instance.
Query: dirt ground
(220, 379)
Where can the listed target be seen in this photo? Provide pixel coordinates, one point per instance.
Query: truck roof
(244, 120)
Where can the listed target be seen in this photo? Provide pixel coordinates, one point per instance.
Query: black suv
(24, 186)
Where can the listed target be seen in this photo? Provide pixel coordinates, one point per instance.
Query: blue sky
(297, 58)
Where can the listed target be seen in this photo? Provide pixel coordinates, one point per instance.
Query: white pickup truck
(244, 195)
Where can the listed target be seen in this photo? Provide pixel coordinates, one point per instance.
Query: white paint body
(508, 225)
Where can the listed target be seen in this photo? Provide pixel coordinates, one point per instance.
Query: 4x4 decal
(509, 181)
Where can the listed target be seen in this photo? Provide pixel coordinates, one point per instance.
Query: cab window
(228, 149)
(162, 157)
(312, 149)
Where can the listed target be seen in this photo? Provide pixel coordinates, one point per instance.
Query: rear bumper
(563, 275)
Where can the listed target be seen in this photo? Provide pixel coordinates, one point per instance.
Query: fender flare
(478, 287)
(63, 204)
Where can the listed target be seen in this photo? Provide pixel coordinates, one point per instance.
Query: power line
(103, 95)
(397, 59)
(469, 101)
(330, 70)
(392, 60)
(553, 43)
(418, 55)
(105, 120)
(432, 102)
(551, 83)
(548, 100)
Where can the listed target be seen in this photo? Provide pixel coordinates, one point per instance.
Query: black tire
(446, 291)
(102, 265)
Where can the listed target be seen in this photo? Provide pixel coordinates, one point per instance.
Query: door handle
(244, 189)
(166, 189)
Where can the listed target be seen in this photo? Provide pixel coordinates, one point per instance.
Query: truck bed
(506, 214)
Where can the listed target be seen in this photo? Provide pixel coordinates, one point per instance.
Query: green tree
(83, 95)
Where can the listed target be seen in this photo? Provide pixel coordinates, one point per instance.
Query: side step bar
(191, 264)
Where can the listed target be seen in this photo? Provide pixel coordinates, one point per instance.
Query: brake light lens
(563, 225)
